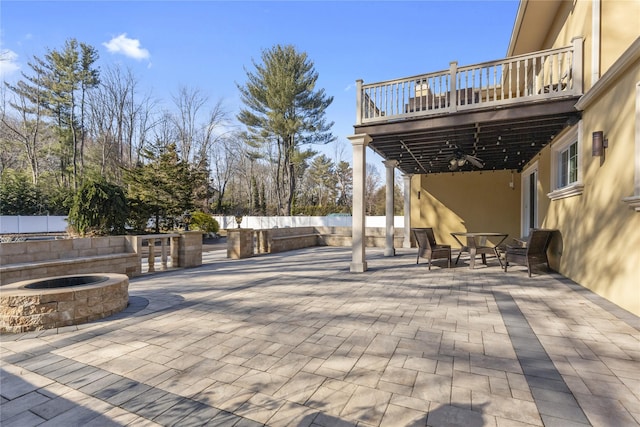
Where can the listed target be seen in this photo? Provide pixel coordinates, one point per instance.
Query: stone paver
(294, 339)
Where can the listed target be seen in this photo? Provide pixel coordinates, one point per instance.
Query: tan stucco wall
(600, 234)
(470, 201)
(620, 27)
(620, 23)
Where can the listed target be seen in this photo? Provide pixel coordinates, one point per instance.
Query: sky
(210, 45)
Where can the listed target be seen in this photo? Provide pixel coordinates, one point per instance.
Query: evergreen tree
(164, 186)
(70, 72)
(18, 196)
(283, 106)
(98, 208)
(344, 178)
(263, 201)
(255, 194)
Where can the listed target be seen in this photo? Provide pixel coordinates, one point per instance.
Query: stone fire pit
(55, 302)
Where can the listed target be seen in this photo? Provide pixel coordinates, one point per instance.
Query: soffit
(506, 138)
(533, 23)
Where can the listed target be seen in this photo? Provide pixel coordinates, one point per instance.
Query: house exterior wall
(620, 27)
(600, 234)
(473, 201)
(598, 243)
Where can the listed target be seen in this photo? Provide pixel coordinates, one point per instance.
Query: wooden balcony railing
(543, 75)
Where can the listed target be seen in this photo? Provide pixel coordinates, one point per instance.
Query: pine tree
(255, 194)
(70, 71)
(283, 106)
(263, 201)
(164, 186)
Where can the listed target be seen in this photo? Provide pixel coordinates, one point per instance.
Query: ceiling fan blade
(475, 161)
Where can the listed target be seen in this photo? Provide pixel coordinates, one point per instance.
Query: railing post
(239, 243)
(577, 65)
(175, 251)
(163, 253)
(152, 257)
(359, 102)
(190, 249)
(134, 244)
(453, 93)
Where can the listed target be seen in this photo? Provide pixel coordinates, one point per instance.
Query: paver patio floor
(294, 339)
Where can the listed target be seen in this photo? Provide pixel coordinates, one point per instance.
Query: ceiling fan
(460, 158)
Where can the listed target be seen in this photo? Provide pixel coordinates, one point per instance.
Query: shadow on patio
(295, 339)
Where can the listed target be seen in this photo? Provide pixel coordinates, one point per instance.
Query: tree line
(69, 128)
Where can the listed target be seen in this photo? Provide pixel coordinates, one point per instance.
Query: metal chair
(428, 247)
(533, 253)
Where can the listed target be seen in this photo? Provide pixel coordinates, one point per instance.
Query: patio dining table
(477, 243)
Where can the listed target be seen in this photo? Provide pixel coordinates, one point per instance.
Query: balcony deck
(519, 102)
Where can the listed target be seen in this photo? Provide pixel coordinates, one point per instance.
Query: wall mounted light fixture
(598, 143)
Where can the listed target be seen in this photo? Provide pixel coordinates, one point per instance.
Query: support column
(406, 243)
(359, 143)
(389, 250)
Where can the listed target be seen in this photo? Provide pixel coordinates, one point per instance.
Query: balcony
(502, 111)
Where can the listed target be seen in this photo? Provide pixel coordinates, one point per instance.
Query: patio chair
(428, 247)
(533, 253)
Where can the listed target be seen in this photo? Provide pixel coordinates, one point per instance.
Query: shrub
(204, 222)
(98, 208)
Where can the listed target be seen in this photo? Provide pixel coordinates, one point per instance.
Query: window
(566, 164)
(568, 172)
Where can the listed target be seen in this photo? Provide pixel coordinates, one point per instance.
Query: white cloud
(127, 47)
(8, 62)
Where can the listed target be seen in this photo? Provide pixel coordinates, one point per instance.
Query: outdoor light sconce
(599, 143)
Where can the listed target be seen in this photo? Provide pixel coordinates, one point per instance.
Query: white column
(389, 233)
(359, 143)
(406, 243)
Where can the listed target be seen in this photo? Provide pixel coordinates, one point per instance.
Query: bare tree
(225, 157)
(212, 130)
(371, 184)
(27, 102)
(189, 102)
(120, 119)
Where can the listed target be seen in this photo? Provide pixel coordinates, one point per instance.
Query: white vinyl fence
(18, 224)
(11, 224)
(262, 222)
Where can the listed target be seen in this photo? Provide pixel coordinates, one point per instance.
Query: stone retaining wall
(112, 254)
(246, 242)
(37, 259)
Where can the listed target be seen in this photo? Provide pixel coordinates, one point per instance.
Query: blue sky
(209, 44)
